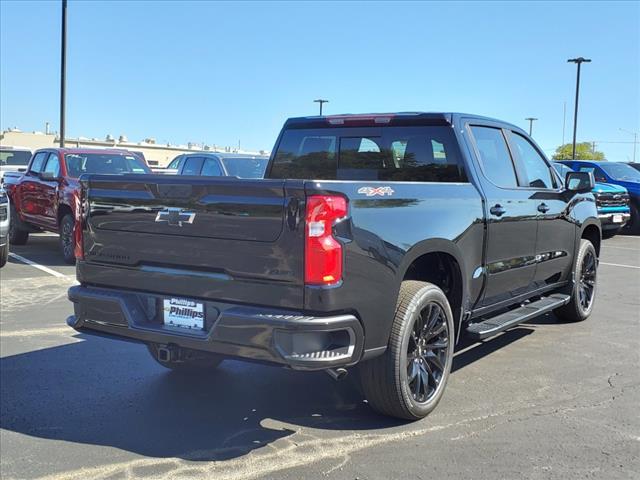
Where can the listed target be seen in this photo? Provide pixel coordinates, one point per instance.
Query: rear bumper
(606, 220)
(293, 339)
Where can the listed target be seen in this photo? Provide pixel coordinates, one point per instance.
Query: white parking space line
(37, 331)
(36, 265)
(622, 248)
(636, 237)
(618, 265)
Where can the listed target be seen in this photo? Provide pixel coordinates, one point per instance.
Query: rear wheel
(185, 360)
(408, 380)
(583, 293)
(17, 235)
(4, 253)
(67, 241)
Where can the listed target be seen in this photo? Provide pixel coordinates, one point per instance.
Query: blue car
(616, 173)
(612, 202)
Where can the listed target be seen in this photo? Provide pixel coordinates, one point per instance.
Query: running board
(504, 321)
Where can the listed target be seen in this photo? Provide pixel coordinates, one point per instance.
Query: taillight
(323, 253)
(78, 226)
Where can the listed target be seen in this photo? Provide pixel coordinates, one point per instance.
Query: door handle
(543, 208)
(497, 210)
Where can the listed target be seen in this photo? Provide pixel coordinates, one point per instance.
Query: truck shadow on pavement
(100, 392)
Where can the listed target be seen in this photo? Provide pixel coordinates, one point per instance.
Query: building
(155, 154)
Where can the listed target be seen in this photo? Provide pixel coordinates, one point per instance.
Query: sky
(222, 73)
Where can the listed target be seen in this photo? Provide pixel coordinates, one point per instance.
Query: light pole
(63, 68)
(531, 120)
(635, 141)
(321, 101)
(578, 61)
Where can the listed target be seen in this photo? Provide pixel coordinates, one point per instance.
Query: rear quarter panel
(383, 235)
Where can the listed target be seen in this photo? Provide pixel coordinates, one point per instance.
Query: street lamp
(635, 141)
(63, 68)
(578, 61)
(531, 120)
(321, 101)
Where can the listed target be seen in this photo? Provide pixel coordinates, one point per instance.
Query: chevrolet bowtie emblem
(175, 217)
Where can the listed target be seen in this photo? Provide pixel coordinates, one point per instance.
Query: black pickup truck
(376, 240)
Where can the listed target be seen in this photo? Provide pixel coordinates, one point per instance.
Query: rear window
(404, 154)
(79, 163)
(18, 158)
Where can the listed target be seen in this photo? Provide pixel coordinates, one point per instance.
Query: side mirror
(47, 176)
(579, 182)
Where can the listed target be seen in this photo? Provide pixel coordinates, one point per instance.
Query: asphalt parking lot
(542, 401)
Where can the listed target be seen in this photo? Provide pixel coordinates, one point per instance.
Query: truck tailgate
(212, 237)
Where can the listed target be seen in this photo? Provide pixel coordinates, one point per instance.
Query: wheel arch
(592, 231)
(63, 209)
(440, 262)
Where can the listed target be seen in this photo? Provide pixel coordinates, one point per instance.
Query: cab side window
(535, 167)
(38, 162)
(211, 168)
(53, 165)
(192, 166)
(495, 159)
(176, 163)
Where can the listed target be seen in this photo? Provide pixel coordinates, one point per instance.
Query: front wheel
(408, 380)
(67, 240)
(583, 292)
(17, 235)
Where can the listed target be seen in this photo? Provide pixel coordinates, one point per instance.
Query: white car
(14, 159)
(4, 227)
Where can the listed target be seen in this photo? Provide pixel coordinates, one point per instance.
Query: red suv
(46, 195)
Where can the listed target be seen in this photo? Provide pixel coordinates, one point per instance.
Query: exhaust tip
(337, 373)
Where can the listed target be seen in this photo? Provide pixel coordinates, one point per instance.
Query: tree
(584, 151)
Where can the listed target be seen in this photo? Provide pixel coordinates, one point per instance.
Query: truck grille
(612, 199)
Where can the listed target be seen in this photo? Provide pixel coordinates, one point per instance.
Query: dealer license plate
(183, 313)
(617, 219)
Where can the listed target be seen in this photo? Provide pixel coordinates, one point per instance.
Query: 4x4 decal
(373, 191)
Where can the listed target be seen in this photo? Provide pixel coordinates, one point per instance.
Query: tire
(583, 292)
(67, 239)
(633, 226)
(386, 380)
(192, 360)
(4, 253)
(17, 235)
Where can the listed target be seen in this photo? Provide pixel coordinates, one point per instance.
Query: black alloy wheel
(587, 282)
(427, 352)
(583, 289)
(67, 241)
